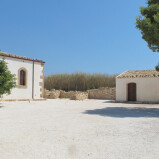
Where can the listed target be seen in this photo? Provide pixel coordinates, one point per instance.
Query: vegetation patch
(79, 81)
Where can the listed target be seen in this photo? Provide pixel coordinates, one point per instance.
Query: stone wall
(74, 95)
(102, 93)
(53, 94)
(80, 96)
(64, 94)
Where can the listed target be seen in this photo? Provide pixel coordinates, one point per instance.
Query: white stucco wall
(24, 93)
(147, 89)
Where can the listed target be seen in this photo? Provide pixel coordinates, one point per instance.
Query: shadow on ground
(131, 103)
(124, 112)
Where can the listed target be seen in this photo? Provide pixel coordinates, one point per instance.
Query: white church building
(29, 77)
(138, 86)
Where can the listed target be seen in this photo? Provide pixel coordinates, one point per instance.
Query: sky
(91, 36)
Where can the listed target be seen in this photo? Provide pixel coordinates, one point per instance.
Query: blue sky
(92, 36)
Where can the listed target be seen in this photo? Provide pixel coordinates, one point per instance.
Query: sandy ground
(90, 129)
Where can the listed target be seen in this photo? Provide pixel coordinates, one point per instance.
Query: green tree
(7, 80)
(157, 67)
(148, 24)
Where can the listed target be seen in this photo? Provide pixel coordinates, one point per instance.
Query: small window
(22, 78)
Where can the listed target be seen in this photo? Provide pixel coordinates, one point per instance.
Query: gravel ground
(90, 129)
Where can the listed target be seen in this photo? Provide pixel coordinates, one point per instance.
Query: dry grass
(79, 81)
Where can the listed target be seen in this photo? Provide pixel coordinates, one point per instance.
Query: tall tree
(7, 80)
(148, 24)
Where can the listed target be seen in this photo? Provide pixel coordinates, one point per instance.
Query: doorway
(132, 92)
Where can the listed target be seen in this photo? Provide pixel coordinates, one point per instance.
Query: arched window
(22, 79)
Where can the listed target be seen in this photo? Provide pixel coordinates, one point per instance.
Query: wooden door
(132, 92)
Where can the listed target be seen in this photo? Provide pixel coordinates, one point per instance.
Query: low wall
(64, 94)
(74, 95)
(102, 93)
(80, 96)
(53, 94)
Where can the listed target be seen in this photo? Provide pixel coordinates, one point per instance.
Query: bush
(79, 81)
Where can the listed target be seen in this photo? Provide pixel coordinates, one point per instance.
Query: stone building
(30, 77)
(140, 86)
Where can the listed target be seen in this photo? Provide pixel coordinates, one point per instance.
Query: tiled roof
(19, 57)
(139, 74)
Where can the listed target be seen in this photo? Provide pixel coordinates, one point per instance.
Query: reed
(79, 81)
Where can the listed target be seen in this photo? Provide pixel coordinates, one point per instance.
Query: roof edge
(4, 54)
(139, 74)
(121, 74)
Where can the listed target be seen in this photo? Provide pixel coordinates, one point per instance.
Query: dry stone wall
(80, 96)
(102, 93)
(53, 94)
(64, 94)
(74, 95)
